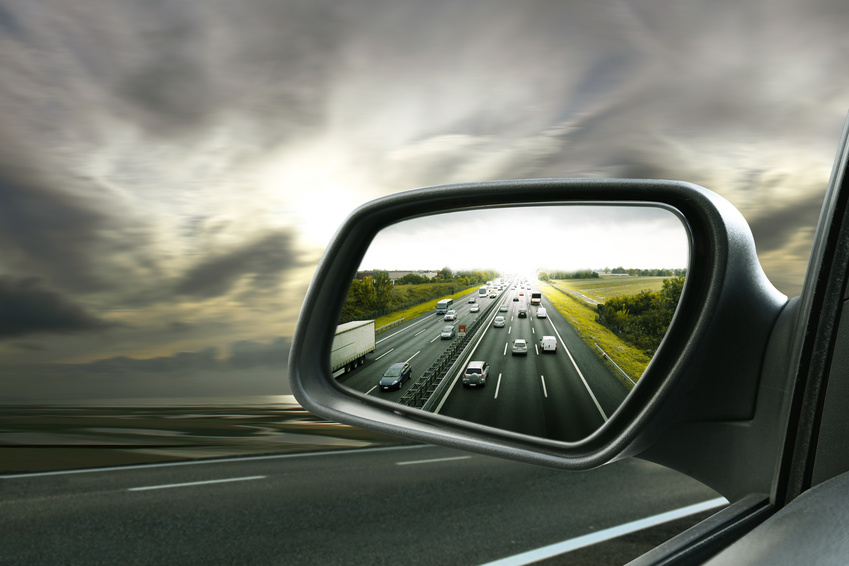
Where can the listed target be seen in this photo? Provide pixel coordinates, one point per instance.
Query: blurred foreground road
(397, 505)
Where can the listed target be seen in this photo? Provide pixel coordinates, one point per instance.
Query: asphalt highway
(404, 505)
(562, 395)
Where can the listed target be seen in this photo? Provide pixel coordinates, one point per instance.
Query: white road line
(372, 389)
(497, 386)
(586, 385)
(505, 349)
(412, 462)
(438, 336)
(544, 391)
(420, 331)
(402, 330)
(240, 459)
(413, 356)
(381, 355)
(559, 548)
(509, 330)
(533, 330)
(207, 482)
(536, 349)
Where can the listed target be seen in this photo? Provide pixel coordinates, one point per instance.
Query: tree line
(376, 295)
(642, 319)
(592, 274)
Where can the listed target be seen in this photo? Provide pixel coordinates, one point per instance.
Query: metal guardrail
(388, 326)
(425, 389)
(607, 357)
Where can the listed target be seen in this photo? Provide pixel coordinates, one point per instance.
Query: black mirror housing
(706, 370)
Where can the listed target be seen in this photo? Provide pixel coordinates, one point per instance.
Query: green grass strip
(633, 361)
(422, 308)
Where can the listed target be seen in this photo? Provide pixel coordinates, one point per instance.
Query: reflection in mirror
(537, 319)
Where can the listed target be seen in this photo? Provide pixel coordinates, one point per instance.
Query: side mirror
(726, 305)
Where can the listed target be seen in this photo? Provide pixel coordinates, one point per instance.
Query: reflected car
(541, 313)
(475, 308)
(395, 375)
(450, 315)
(503, 308)
(520, 347)
(523, 313)
(475, 374)
(515, 299)
(498, 322)
(521, 293)
(448, 332)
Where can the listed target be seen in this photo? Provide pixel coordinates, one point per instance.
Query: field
(34, 439)
(594, 291)
(576, 300)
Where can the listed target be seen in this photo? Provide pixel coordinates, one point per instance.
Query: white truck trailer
(352, 342)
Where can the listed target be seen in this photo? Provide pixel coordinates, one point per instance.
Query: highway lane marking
(224, 460)
(586, 385)
(505, 349)
(497, 386)
(412, 462)
(509, 330)
(381, 355)
(559, 548)
(438, 336)
(536, 349)
(544, 391)
(465, 364)
(413, 356)
(207, 482)
(372, 389)
(420, 331)
(402, 330)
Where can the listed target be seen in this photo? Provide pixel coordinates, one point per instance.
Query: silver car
(448, 332)
(520, 347)
(498, 322)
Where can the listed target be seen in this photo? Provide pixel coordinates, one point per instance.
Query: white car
(498, 322)
(548, 344)
(450, 315)
(541, 313)
(475, 308)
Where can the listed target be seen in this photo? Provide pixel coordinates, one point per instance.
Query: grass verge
(420, 309)
(633, 361)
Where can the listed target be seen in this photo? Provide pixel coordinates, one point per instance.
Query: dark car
(515, 299)
(395, 375)
(523, 313)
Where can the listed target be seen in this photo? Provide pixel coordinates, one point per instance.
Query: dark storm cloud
(181, 363)
(263, 262)
(249, 354)
(26, 308)
(772, 229)
(245, 354)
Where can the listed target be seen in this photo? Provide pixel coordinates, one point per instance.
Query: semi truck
(353, 340)
(536, 298)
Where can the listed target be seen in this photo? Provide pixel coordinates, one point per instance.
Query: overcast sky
(525, 240)
(171, 170)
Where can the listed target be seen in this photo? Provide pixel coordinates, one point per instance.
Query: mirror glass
(534, 319)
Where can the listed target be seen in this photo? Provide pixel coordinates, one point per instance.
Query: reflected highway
(564, 395)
